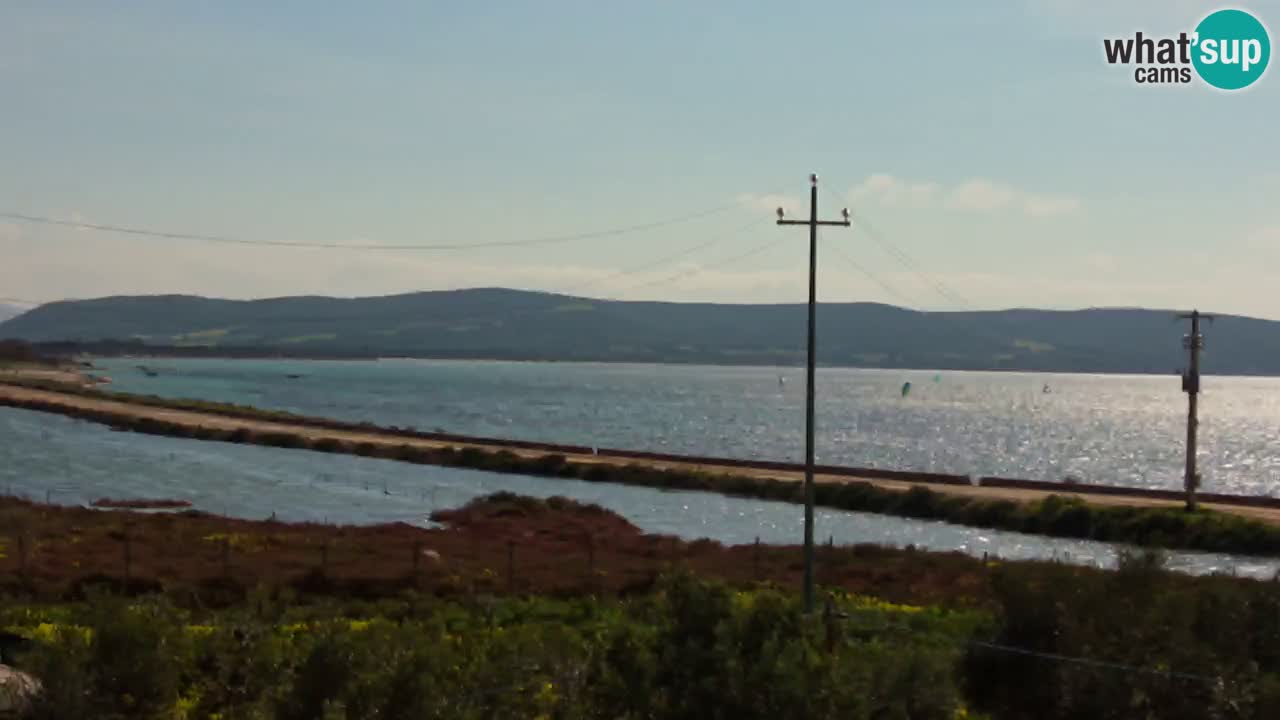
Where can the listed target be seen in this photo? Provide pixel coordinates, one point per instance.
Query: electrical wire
(903, 258)
(128, 230)
(1091, 662)
(754, 250)
(665, 259)
(1109, 665)
(908, 262)
(884, 285)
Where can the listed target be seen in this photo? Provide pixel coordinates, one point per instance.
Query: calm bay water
(1117, 430)
(68, 461)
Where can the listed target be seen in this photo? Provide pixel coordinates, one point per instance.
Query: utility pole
(813, 222)
(1194, 343)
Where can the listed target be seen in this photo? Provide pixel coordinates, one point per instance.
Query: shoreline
(500, 543)
(484, 359)
(86, 386)
(250, 353)
(1238, 525)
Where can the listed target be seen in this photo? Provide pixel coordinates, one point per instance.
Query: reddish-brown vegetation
(501, 544)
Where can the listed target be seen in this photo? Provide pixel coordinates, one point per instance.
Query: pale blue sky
(989, 141)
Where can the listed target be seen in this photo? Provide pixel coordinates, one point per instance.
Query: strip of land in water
(1247, 525)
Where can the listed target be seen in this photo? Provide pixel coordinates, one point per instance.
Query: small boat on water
(294, 376)
(147, 371)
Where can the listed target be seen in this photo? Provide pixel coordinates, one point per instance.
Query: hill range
(7, 311)
(498, 323)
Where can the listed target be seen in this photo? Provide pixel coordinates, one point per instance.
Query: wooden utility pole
(813, 222)
(1194, 343)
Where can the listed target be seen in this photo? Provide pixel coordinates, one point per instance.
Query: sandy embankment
(64, 374)
(66, 403)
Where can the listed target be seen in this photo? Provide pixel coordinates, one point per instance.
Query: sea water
(57, 459)
(1103, 429)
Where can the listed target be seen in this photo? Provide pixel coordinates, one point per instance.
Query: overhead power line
(884, 285)
(666, 258)
(223, 239)
(754, 250)
(908, 262)
(1103, 665)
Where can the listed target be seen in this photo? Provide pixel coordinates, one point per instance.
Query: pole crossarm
(813, 222)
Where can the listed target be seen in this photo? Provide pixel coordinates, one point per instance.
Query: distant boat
(293, 376)
(1046, 390)
(148, 371)
(782, 381)
(906, 388)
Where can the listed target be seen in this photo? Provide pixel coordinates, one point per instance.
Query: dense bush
(692, 650)
(1060, 642)
(1140, 643)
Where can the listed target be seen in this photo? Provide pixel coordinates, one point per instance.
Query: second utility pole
(813, 222)
(1194, 343)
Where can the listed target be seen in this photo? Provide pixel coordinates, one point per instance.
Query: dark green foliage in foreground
(1194, 647)
(692, 650)
(1057, 643)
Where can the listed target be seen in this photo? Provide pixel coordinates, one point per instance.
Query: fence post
(591, 561)
(511, 567)
(226, 557)
(755, 561)
(128, 560)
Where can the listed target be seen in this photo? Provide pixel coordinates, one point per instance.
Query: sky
(996, 158)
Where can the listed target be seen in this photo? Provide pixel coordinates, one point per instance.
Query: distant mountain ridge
(524, 325)
(8, 311)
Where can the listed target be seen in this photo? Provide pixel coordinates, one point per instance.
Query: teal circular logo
(1232, 49)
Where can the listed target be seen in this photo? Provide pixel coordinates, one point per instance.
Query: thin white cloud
(973, 195)
(1266, 238)
(1101, 263)
(890, 191)
(1261, 247)
(791, 205)
(980, 195)
(1047, 205)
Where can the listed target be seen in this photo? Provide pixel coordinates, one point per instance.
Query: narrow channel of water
(68, 461)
